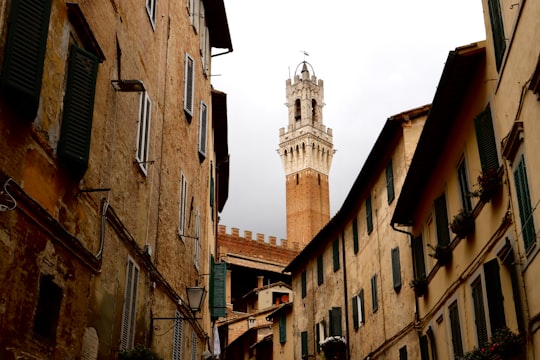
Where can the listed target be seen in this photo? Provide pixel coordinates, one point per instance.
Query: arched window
(297, 110)
(314, 118)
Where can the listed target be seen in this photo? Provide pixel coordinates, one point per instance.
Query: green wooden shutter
(464, 187)
(335, 253)
(424, 348)
(418, 253)
(218, 297)
(355, 235)
(432, 342)
(524, 204)
(25, 53)
(403, 353)
(485, 138)
(282, 329)
(362, 311)
(374, 295)
(455, 328)
(369, 215)
(396, 269)
(494, 295)
(320, 270)
(441, 218)
(74, 144)
(304, 284)
(497, 29)
(335, 321)
(356, 323)
(390, 182)
(479, 312)
(304, 340)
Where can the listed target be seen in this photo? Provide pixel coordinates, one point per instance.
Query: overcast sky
(377, 58)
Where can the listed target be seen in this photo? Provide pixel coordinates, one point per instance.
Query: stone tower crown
(306, 144)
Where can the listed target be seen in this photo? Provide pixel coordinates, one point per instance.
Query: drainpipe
(346, 296)
(416, 315)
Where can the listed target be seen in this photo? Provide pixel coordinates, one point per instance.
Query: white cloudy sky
(377, 58)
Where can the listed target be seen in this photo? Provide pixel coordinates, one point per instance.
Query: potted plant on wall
(443, 253)
(462, 224)
(420, 286)
(334, 348)
(504, 345)
(489, 182)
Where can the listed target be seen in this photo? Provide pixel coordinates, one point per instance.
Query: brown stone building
(255, 287)
(113, 168)
(306, 152)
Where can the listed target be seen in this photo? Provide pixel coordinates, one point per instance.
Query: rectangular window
(177, 336)
(129, 309)
(479, 311)
(320, 270)
(369, 215)
(189, 86)
(358, 309)
(455, 327)
(374, 294)
(485, 138)
(321, 334)
(528, 231)
(151, 11)
(335, 321)
(355, 235)
(282, 329)
(48, 308)
(396, 269)
(304, 341)
(335, 253)
(441, 220)
(183, 206)
(24, 54)
(424, 348)
(494, 295)
(143, 132)
(403, 353)
(74, 143)
(194, 343)
(304, 283)
(390, 182)
(203, 129)
(418, 256)
(464, 186)
(497, 29)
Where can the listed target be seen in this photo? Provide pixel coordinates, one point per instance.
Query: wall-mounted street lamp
(195, 296)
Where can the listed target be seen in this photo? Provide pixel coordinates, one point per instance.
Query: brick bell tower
(306, 152)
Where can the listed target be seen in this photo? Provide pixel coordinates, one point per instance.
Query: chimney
(260, 281)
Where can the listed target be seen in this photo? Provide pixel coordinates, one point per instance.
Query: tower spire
(306, 152)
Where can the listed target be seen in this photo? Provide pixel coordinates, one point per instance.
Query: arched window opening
(297, 110)
(314, 118)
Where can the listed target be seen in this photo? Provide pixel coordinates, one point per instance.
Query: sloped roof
(460, 66)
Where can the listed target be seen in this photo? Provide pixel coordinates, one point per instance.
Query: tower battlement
(256, 247)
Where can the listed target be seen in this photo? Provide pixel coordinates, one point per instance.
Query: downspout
(346, 296)
(416, 315)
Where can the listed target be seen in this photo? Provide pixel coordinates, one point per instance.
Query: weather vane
(305, 54)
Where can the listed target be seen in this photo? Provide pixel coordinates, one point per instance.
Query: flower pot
(463, 224)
